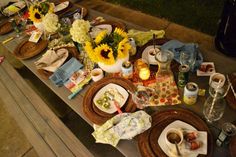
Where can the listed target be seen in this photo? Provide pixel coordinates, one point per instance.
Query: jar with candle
(142, 69)
(215, 104)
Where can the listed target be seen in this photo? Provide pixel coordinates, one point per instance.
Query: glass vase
(164, 72)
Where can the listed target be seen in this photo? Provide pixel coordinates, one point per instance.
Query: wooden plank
(26, 126)
(56, 144)
(55, 123)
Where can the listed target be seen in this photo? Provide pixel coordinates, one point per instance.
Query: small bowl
(172, 136)
(97, 74)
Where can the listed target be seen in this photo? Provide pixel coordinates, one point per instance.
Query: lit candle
(144, 73)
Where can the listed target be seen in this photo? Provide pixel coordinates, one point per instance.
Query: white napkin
(52, 60)
(122, 126)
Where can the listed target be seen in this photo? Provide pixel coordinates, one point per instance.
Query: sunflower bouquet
(107, 48)
(39, 9)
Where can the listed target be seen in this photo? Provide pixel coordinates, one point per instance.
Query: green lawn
(201, 15)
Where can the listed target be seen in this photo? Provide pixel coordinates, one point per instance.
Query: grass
(201, 15)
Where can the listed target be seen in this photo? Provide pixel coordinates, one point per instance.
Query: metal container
(190, 93)
(127, 69)
(183, 75)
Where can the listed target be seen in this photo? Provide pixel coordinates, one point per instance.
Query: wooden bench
(44, 130)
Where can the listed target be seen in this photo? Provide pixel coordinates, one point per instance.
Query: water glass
(188, 58)
(215, 104)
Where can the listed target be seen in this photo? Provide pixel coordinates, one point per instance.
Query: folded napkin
(142, 37)
(176, 47)
(122, 126)
(52, 60)
(63, 73)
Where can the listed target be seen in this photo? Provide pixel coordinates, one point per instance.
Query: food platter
(27, 49)
(98, 116)
(148, 141)
(121, 92)
(202, 135)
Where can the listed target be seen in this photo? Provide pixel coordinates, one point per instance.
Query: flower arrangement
(39, 9)
(107, 48)
(51, 23)
(80, 31)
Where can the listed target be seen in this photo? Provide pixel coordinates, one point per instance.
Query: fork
(112, 98)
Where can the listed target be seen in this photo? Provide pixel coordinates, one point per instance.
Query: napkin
(142, 37)
(122, 126)
(52, 60)
(176, 47)
(63, 73)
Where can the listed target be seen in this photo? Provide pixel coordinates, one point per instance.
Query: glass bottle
(164, 73)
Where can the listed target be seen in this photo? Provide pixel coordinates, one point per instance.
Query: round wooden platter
(114, 24)
(148, 141)
(73, 52)
(230, 96)
(96, 115)
(27, 49)
(71, 8)
(5, 27)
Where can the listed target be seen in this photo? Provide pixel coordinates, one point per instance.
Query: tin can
(190, 93)
(228, 130)
(127, 69)
(183, 75)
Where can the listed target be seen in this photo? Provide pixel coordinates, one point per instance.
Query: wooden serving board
(5, 27)
(96, 115)
(27, 49)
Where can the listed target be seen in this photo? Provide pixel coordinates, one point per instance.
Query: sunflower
(34, 14)
(105, 54)
(100, 36)
(120, 32)
(123, 48)
(89, 49)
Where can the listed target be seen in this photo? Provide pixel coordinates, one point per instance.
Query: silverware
(112, 98)
(177, 149)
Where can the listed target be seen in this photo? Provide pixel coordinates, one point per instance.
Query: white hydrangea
(79, 31)
(50, 22)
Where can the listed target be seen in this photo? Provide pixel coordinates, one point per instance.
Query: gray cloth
(176, 47)
(63, 73)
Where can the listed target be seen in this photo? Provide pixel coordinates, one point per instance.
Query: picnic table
(130, 148)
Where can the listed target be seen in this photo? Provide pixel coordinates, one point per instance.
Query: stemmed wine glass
(188, 58)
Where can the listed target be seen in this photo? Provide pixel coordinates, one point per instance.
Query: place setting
(176, 133)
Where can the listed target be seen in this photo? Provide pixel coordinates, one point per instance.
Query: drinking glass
(188, 58)
(214, 105)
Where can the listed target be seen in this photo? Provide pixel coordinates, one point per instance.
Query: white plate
(14, 8)
(112, 108)
(97, 29)
(145, 53)
(61, 6)
(202, 136)
(206, 73)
